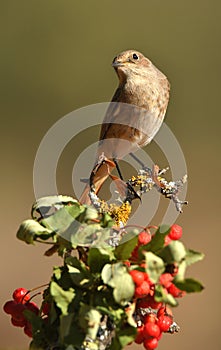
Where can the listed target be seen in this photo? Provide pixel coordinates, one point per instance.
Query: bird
(134, 116)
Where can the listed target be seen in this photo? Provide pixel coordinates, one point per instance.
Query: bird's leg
(133, 194)
(118, 169)
(137, 159)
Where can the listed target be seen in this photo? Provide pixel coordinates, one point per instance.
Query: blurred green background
(55, 57)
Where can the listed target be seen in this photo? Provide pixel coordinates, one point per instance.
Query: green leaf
(78, 272)
(126, 335)
(161, 296)
(117, 277)
(79, 278)
(193, 257)
(48, 205)
(89, 320)
(75, 336)
(90, 213)
(181, 271)
(65, 325)
(116, 315)
(75, 262)
(106, 220)
(127, 244)
(62, 277)
(102, 237)
(98, 257)
(62, 245)
(61, 297)
(53, 314)
(189, 285)
(124, 290)
(63, 222)
(130, 311)
(115, 344)
(85, 234)
(173, 252)
(33, 319)
(29, 230)
(154, 266)
(157, 242)
(123, 337)
(34, 346)
(57, 272)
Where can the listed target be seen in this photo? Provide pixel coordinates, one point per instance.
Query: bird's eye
(135, 57)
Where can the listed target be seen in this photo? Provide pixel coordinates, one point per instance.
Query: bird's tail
(99, 175)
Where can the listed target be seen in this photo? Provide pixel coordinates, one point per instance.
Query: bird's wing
(111, 114)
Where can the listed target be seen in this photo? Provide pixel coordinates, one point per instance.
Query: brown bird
(135, 114)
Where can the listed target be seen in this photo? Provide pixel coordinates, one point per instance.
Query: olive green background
(55, 57)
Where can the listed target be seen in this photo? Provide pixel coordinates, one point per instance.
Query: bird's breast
(151, 100)
(151, 95)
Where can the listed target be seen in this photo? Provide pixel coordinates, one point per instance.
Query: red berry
(166, 279)
(153, 303)
(46, 308)
(164, 310)
(143, 303)
(167, 240)
(175, 232)
(146, 278)
(28, 330)
(139, 338)
(143, 290)
(143, 265)
(144, 238)
(17, 313)
(18, 323)
(138, 277)
(150, 318)
(164, 322)
(21, 295)
(173, 269)
(134, 254)
(151, 330)
(176, 292)
(160, 336)
(9, 306)
(32, 307)
(45, 319)
(150, 343)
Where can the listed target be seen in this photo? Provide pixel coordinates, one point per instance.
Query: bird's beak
(116, 64)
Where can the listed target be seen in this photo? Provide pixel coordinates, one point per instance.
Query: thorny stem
(35, 295)
(143, 182)
(33, 289)
(36, 288)
(43, 242)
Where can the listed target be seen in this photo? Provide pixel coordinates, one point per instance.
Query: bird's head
(130, 62)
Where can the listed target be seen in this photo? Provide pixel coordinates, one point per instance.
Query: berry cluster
(102, 297)
(174, 234)
(145, 237)
(16, 307)
(152, 317)
(153, 325)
